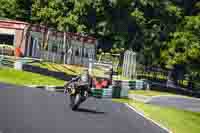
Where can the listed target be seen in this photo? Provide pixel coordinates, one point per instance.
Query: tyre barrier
(121, 87)
(133, 85)
(102, 93)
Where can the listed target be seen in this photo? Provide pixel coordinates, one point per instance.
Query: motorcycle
(78, 92)
(79, 89)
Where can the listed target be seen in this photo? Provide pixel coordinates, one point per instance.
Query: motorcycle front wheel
(76, 100)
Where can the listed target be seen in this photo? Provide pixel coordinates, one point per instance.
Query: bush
(119, 70)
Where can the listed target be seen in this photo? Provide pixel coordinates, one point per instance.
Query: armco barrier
(176, 90)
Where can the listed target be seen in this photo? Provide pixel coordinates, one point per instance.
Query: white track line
(161, 126)
(170, 96)
(176, 96)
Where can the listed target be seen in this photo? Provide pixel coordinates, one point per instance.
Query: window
(86, 55)
(54, 48)
(77, 53)
(86, 52)
(7, 39)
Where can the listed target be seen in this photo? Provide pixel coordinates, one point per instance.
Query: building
(12, 34)
(46, 43)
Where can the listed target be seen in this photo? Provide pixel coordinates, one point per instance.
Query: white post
(132, 66)
(54, 57)
(135, 64)
(64, 47)
(90, 66)
(2, 51)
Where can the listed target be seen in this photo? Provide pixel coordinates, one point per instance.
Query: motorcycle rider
(79, 89)
(85, 79)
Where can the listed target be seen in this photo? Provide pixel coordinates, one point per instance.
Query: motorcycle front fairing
(78, 92)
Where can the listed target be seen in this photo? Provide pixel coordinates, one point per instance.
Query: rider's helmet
(85, 75)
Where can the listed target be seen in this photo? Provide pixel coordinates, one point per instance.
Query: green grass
(68, 69)
(149, 93)
(8, 75)
(121, 78)
(178, 121)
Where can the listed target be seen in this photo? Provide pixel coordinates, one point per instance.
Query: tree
(153, 28)
(184, 46)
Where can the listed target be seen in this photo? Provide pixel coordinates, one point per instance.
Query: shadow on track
(89, 111)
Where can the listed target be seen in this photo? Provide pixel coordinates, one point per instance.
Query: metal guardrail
(156, 77)
(9, 61)
(163, 87)
(6, 62)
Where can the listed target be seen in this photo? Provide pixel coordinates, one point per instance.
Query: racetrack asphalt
(190, 104)
(31, 110)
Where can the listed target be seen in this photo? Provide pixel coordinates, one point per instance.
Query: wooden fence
(49, 56)
(59, 58)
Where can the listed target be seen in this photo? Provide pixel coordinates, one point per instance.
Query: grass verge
(149, 93)
(178, 121)
(68, 69)
(12, 76)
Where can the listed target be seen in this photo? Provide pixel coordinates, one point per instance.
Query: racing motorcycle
(79, 89)
(78, 92)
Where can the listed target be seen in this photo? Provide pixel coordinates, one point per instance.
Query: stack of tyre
(133, 84)
(102, 93)
(116, 88)
(122, 87)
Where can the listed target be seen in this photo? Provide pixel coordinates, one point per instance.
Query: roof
(12, 24)
(12, 21)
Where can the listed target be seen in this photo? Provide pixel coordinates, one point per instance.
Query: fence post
(129, 64)
(64, 47)
(90, 66)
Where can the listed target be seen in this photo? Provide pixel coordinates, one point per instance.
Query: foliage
(119, 70)
(14, 9)
(184, 45)
(153, 28)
